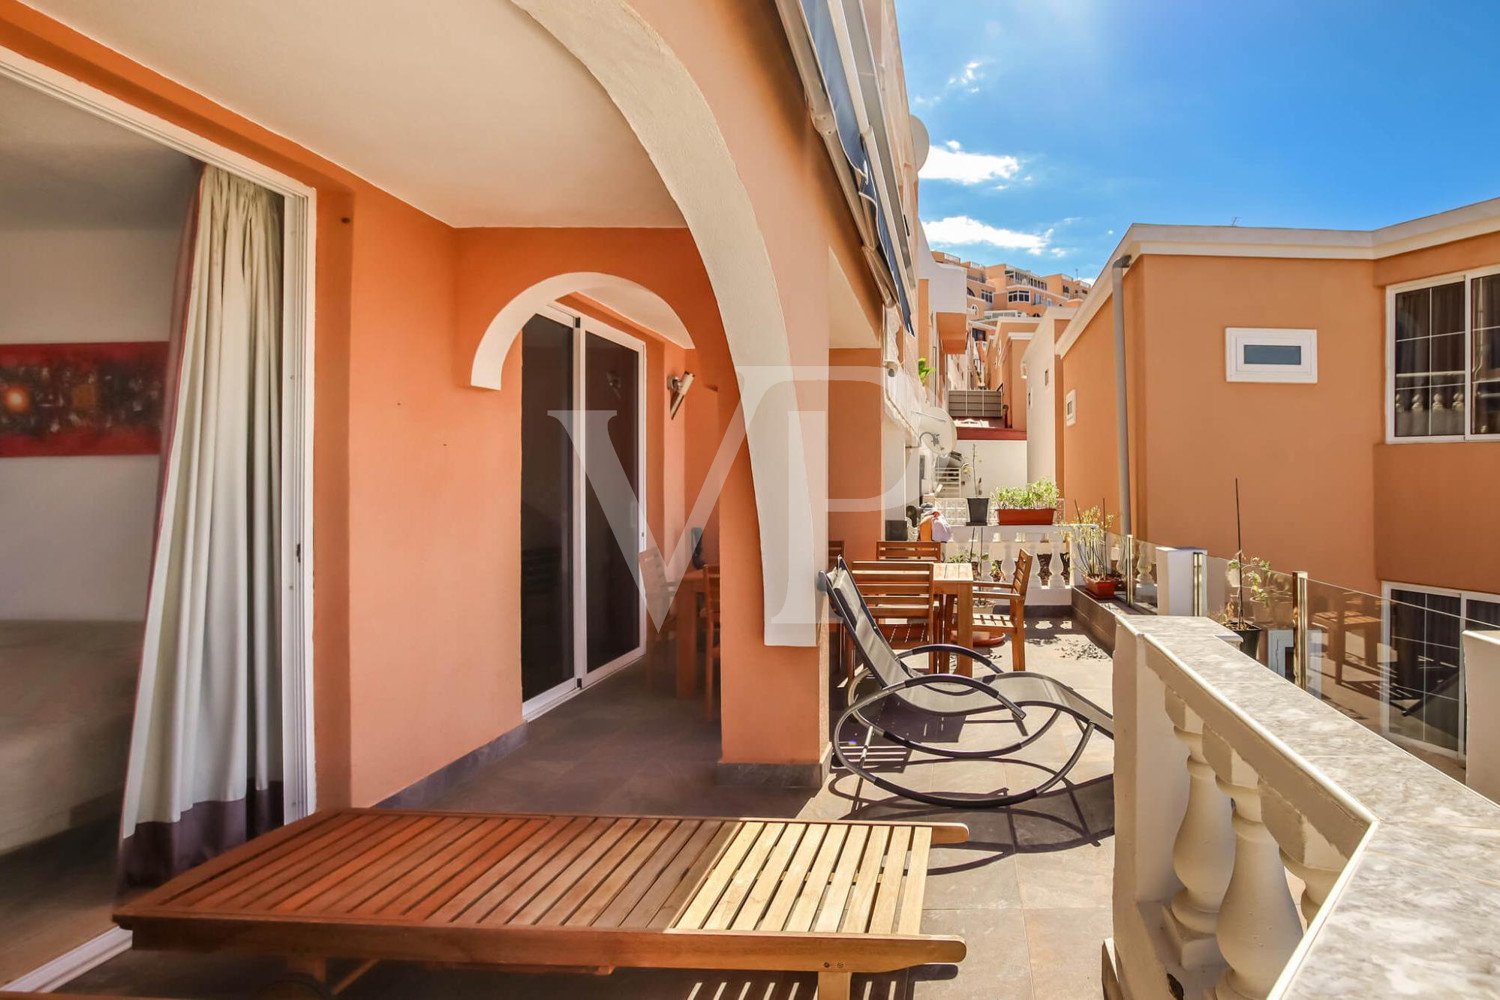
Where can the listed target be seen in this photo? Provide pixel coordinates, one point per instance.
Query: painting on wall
(82, 399)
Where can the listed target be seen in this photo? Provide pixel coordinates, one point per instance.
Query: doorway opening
(582, 612)
(98, 205)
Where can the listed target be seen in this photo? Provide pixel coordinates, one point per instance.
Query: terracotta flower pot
(1025, 515)
(1102, 587)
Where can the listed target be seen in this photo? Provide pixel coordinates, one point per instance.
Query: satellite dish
(920, 140)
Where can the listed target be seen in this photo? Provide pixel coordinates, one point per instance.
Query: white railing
(1049, 544)
(1227, 779)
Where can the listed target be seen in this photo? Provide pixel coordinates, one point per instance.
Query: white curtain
(205, 758)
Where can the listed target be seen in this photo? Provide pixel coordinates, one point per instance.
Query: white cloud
(968, 77)
(951, 162)
(961, 230)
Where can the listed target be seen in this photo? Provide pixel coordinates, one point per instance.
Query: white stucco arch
(631, 300)
(664, 106)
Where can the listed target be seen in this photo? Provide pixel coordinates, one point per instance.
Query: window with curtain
(1445, 359)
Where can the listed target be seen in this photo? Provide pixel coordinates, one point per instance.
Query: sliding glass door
(582, 521)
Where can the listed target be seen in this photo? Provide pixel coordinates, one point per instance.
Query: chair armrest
(946, 647)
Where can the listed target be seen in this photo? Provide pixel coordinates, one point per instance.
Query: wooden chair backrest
(896, 594)
(1022, 575)
(896, 551)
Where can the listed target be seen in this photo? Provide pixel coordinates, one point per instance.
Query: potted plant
(1244, 574)
(1090, 550)
(923, 370)
(1034, 503)
(979, 506)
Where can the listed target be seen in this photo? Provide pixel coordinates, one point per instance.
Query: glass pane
(546, 507)
(613, 602)
(1425, 681)
(1429, 362)
(1273, 354)
(1485, 402)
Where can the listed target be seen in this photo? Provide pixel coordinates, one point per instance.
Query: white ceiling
(64, 168)
(468, 109)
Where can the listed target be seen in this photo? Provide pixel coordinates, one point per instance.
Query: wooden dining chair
(711, 627)
(1010, 595)
(901, 599)
(897, 551)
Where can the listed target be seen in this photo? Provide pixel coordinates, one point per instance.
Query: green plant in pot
(1034, 503)
(923, 370)
(1252, 575)
(1091, 551)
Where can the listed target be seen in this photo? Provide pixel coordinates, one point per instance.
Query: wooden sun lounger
(563, 892)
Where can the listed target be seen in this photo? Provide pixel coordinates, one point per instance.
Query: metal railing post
(1299, 633)
(1200, 584)
(1127, 569)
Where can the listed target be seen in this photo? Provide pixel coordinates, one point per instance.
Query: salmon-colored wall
(1435, 514)
(856, 419)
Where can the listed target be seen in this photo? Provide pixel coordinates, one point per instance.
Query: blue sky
(1055, 124)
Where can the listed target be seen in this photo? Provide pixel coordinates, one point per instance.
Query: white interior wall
(75, 532)
(995, 464)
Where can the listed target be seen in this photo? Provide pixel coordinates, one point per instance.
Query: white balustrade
(1258, 927)
(1203, 852)
(1206, 838)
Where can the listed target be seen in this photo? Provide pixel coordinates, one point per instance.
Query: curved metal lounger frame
(957, 684)
(1085, 714)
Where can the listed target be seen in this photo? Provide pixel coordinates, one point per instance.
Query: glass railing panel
(1144, 593)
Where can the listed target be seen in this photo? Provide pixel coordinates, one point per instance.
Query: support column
(1258, 927)
(856, 421)
(1203, 853)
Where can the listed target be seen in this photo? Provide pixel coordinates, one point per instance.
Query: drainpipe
(1122, 403)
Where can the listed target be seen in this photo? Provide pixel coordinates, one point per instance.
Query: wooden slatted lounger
(563, 892)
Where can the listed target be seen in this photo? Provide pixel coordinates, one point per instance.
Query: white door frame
(298, 325)
(583, 325)
(586, 677)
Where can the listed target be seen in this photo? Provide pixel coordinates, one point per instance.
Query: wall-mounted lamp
(678, 386)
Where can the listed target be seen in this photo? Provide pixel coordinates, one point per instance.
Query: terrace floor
(1029, 892)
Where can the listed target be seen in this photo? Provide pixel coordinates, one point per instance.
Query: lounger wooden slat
(543, 852)
(634, 894)
(832, 909)
(883, 913)
(541, 871)
(593, 880)
(511, 854)
(791, 883)
(745, 877)
(543, 891)
(909, 920)
(766, 883)
(603, 892)
(862, 895)
(808, 900)
(707, 897)
(419, 883)
(676, 885)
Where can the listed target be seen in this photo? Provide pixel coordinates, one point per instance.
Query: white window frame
(1070, 408)
(1464, 596)
(1391, 291)
(1237, 369)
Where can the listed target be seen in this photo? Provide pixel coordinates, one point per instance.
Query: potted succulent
(1034, 503)
(1090, 550)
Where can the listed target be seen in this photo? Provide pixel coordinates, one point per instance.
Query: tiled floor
(1029, 892)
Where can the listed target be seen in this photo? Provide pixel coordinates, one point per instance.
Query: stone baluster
(1258, 925)
(1304, 850)
(1203, 853)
